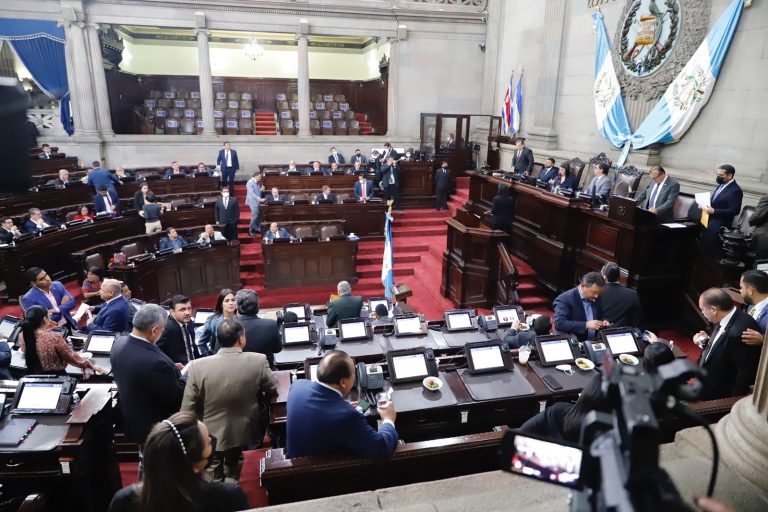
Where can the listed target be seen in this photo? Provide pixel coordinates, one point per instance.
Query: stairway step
(375, 259)
(404, 223)
(420, 231)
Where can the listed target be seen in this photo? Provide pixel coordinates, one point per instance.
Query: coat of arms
(648, 34)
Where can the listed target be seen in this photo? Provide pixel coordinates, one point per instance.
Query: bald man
(114, 315)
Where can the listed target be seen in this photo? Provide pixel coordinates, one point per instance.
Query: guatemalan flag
(692, 88)
(506, 109)
(609, 106)
(517, 105)
(387, 277)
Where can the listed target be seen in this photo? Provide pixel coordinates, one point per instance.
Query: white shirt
(228, 157)
(758, 308)
(723, 323)
(657, 187)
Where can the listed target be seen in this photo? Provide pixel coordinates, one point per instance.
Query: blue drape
(40, 47)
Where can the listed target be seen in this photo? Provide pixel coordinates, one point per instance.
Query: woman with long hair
(46, 351)
(565, 179)
(176, 453)
(225, 309)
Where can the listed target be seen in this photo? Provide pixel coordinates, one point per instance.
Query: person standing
(390, 183)
(660, 195)
(522, 159)
(502, 209)
(253, 199)
(229, 164)
(227, 213)
(178, 338)
(442, 186)
(621, 305)
(99, 176)
(725, 204)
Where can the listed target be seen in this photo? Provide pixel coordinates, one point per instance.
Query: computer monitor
(410, 365)
(620, 341)
(301, 310)
(46, 395)
(486, 357)
(555, 349)
(100, 342)
(202, 315)
(459, 320)
(354, 329)
(409, 325)
(375, 301)
(505, 315)
(8, 324)
(297, 334)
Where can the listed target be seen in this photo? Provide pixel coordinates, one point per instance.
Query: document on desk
(674, 225)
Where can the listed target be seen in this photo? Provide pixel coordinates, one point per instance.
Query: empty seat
(246, 114)
(304, 232)
(327, 232)
(246, 96)
(285, 114)
(319, 106)
(327, 97)
(130, 250)
(314, 127)
(233, 104)
(233, 96)
(327, 128)
(195, 95)
(220, 104)
(221, 96)
(231, 113)
(317, 97)
(349, 115)
(164, 103)
(246, 126)
(313, 114)
(218, 125)
(283, 105)
(354, 127)
(218, 114)
(246, 104)
(324, 115)
(188, 126)
(286, 127)
(199, 125)
(171, 126)
(340, 98)
(294, 97)
(230, 126)
(337, 114)
(94, 260)
(190, 112)
(180, 103)
(341, 127)
(174, 113)
(183, 95)
(155, 94)
(332, 105)
(70, 216)
(280, 96)
(176, 203)
(171, 95)
(194, 104)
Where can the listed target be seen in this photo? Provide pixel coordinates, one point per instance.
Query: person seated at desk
(317, 169)
(408, 156)
(106, 201)
(346, 306)
(600, 186)
(178, 338)
(562, 421)
(275, 196)
(381, 315)
(621, 305)
(172, 241)
(175, 170)
(63, 180)
(37, 221)
(51, 295)
(502, 209)
(5, 360)
(334, 168)
(46, 351)
(363, 188)
(291, 168)
(565, 179)
(225, 309)
(325, 195)
(516, 337)
(92, 286)
(357, 168)
(660, 195)
(83, 213)
(320, 422)
(336, 157)
(175, 456)
(114, 314)
(8, 231)
(276, 232)
(224, 390)
(359, 157)
(140, 196)
(207, 236)
(261, 334)
(202, 170)
(548, 172)
(579, 311)
(122, 175)
(47, 153)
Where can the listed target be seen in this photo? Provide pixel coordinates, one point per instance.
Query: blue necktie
(654, 192)
(590, 316)
(717, 192)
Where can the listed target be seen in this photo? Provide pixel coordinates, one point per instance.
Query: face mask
(720, 180)
(445, 167)
(334, 152)
(225, 196)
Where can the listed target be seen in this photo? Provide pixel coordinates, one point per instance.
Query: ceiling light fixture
(254, 50)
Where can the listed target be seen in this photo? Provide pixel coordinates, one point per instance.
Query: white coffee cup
(523, 354)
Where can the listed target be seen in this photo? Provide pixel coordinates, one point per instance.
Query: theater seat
(94, 260)
(349, 115)
(220, 104)
(354, 127)
(230, 113)
(130, 250)
(218, 125)
(304, 232)
(171, 126)
(195, 104)
(314, 127)
(341, 128)
(233, 96)
(327, 128)
(686, 209)
(328, 231)
(176, 203)
(283, 105)
(246, 127)
(300, 198)
(323, 115)
(286, 127)
(188, 126)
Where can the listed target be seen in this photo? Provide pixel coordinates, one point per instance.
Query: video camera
(615, 466)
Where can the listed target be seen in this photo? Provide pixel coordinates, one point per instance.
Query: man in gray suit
(600, 186)
(224, 392)
(253, 199)
(659, 197)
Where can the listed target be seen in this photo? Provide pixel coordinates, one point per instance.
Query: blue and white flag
(609, 106)
(517, 105)
(387, 277)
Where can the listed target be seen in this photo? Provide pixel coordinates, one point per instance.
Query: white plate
(585, 361)
(629, 359)
(427, 379)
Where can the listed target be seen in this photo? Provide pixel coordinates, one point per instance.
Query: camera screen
(459, 321)
(547, 461)
(353, 330)
(101, 344)
(299, 311)
(556, 350)
(40, 396)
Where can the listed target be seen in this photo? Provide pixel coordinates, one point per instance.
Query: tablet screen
(406, 367)
(352, 330)
(202, 316)
(556, 350)
(313, 372)
(375, 302)
(299, 311)
(484, 358)
(101, 343)
(507, 315)
(409, 325)
(40, 396)
(459, 321)
(621, 343)
(6, 327)
(298, 334)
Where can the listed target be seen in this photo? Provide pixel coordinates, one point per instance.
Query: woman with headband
(175, 456)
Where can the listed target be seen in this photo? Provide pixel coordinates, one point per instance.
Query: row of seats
(291, 127)
(180, 112)
(194, 126)
(339, 98)
(331, 114)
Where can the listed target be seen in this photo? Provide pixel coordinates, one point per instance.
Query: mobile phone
(535, 457)
(363, 405)
(552, 382)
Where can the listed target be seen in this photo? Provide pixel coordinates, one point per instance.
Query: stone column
(81, 71)
(392, 83)
(206, 84)
(493, 35)
(103, 113)
(303, 83)
(543, 132)
(70, 63)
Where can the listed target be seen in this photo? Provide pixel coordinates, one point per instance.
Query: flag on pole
(387, 277)
(506, 109)
(517, 105)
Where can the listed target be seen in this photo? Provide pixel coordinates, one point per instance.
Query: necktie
(226, 202)
(187, 343)
(652, 199)
(708, 348)
(363, 188)
(590, 316)
(109, 203)
(717, 192)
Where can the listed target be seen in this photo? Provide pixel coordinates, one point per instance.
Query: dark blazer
(569, 183)
(171, 342)
(113, 316)
(138, 200)
(546, 175)
(362, 158)
(150, 385)
(325, 170)
(281, 231)
(169, 173)
(59, 183)
(386, 154)
(31, 227)
(228, 215)
(321, 423)
(5, 361)
(621, 305)
(385, 172)
(99, 177)
(280, 198)
(600, 186)
(213, 497)
(339, 159)
(569, 313)
(516, 339)
(525, 162)
(319, 197)
(100, 205)
(548, 423)
(346, 306)
(665, 203)
(727, 205)
(759, 219)
(731, 364)
(6, 236)
(442, 179)
(359, 189)
(503, 211)
(262, 336)
(221, 159)
(166, 243)
(35, 297)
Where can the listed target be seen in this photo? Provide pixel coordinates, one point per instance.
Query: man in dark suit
(47, 153)
(275, 196)
(389, 152)
(522, 159)
(363, 188)
(291, 168)
(660, 195)
(317, 169)
(63, 180)
(359, 157)
(621, 305)
(502, 209)
(389, 177)
(261, 334)
(442, 186)
(579, 310)
(275, 231)
(325, 195)
(151, 386)
(178, 339)
(114, 315)
(346, 306)
(98, 177)
(229, 164)
(227, 212)
(516, 337)
(37, 221)
(725, 204)
(320, 422)
(754, 291)
(43, 290)
(8, 231)
(172, 240)
(336, 157)
(451, 142)
(731, 364)
(175, 170)
(106, 201)
(549, 172)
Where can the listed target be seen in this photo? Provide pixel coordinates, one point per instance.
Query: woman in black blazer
(565, 179)
(140, 197)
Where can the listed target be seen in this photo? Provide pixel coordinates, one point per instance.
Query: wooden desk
(41, 167)
(70, 458)
(417, 187)
(308, 183)
(366, 220)
(309, 263)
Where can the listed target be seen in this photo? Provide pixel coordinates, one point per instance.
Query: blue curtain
(40, 47)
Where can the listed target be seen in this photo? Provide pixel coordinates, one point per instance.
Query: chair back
(130, 250)
(304, 232)
(328, 231)
(94, 260)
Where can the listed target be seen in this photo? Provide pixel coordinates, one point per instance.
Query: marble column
(543, 133)
(71, 82)
(103, 114)
(206, 83)
(392, 83)
(81, 71)
(303, 84)
(493, 35)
